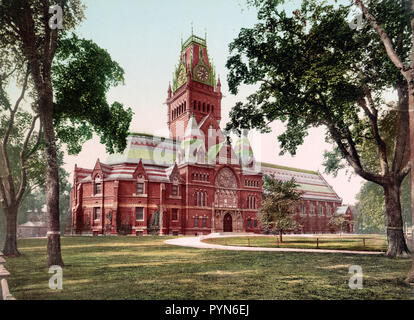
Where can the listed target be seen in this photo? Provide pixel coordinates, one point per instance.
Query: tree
(26, 28)
(314, 70)
(277, 211)
(20, 158)
(372, 218)
(34, 200)
(340, 222)
(406, 67)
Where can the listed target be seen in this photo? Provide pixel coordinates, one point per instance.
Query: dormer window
(140, 188)
(97, 185)
(174, 190)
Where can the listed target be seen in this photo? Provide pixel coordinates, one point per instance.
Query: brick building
(195, 181)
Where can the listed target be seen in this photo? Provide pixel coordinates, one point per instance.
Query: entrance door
(227, 223)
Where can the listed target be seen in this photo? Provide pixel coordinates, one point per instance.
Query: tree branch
(384, 38)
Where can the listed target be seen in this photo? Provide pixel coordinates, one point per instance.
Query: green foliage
(371, 207)
(312, 68)
(339, 221)
(82, 75)
(277, 208)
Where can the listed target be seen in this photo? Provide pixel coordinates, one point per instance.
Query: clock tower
(194, 91)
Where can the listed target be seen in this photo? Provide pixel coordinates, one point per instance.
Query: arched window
(204, 107)
(208, 108)
(199, 106)
(185, 106)
(196, 198)
(212, 108)
(195, 105)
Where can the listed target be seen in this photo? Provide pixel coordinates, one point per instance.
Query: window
(174, 214)
(255, 223)
(204, 222)
(302, 209)
(312, 209)
(96, 213)
(98, 189)
(248, 223)
(139, 214)
(196, 222)
(174, 190)
(140, 188)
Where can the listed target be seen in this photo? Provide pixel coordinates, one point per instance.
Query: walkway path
(195, 242)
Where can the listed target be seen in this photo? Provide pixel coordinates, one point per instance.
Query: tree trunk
(10, 246)
(410, 277)
(52, 181)
(395, 233)
(281, 236)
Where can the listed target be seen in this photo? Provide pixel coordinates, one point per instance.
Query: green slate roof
(270, 165)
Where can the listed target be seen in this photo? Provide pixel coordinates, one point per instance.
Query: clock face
(202, 73)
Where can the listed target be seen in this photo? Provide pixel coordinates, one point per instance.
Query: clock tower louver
(194, 91)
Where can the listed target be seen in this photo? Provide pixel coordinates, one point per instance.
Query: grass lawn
(345, 242)
(146, 268)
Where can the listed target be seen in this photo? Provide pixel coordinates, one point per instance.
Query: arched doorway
(227, 223)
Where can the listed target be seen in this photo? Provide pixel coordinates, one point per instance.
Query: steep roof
(342, 209)
(159, 156)
(126, 171)
(311, 183)
(151, 149)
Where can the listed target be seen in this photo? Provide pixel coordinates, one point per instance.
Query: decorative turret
(218, 87)
(169, 90)
(194, 89)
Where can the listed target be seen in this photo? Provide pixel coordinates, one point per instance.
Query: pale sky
(144, 37)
